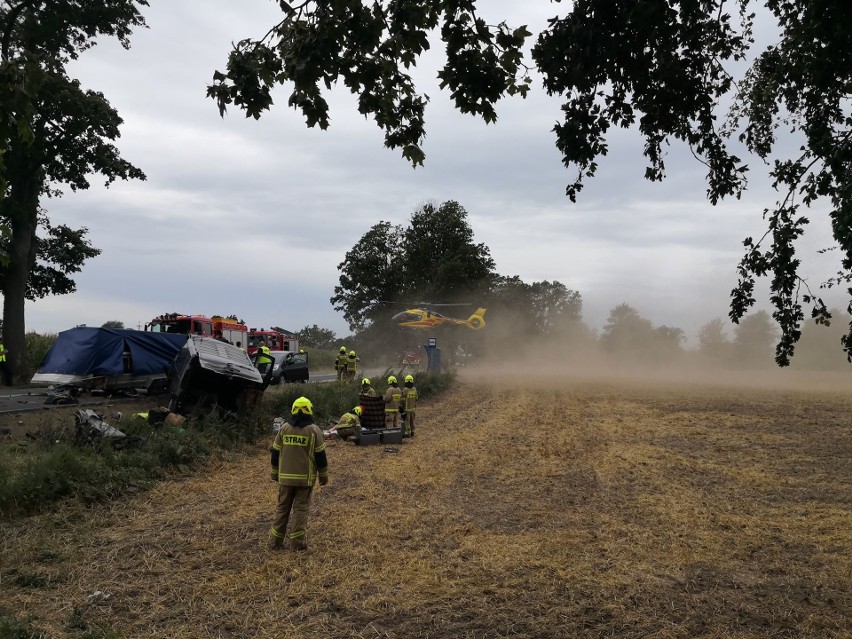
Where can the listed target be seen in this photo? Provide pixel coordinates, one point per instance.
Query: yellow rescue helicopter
(427, 318)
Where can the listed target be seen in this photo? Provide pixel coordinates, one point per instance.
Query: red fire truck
(276, 338)
(231, 328)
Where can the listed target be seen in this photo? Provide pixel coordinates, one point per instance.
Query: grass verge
(53, 463)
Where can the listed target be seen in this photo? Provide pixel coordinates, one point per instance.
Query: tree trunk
(20, 209)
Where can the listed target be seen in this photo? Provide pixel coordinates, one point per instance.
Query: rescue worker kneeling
(392, 397)
(298, 458)
(349, 424)
(409, 404)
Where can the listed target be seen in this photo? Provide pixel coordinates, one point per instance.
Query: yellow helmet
(409, 378)
(352, 353)
(302, 405)
(391, 380)
(365, 382)
(342, 349)
(358, 411)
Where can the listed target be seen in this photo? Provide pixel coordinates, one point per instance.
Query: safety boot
(275, 543)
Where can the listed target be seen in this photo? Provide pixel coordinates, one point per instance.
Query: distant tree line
(434, 259)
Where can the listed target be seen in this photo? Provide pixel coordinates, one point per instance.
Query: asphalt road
(19, 400)
(330, 377)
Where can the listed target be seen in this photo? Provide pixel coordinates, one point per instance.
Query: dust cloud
(512, 353)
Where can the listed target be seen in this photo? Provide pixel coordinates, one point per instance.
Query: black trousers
(7, 374)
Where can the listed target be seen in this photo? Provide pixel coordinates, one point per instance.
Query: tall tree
(669, 339)
(52, 132)
(316, 337)
(510, 300)
(60, 251)
(665, 66)
(817, 349)
(433, 257)
(626, 331)
(713, 343)
(753, 337)
(370, 273)
(441, 261)
(533, 309)
(553, 304)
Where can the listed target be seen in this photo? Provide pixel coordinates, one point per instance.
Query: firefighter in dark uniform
(393, 397)
(349, 424)
(367, 389)
(409, 403)
(298, 458)
(340, 363)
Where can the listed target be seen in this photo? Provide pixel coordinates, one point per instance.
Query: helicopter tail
(477, 320)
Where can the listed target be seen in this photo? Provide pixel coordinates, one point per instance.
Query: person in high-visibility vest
(409, 403)
(298, 459)
(351, 365)
(349, 424)
(392, 397)
(4, 365)
(263, 359)
(340, 364)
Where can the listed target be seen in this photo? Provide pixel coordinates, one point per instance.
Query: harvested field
(554, 508)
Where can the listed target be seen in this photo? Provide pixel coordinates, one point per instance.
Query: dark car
(289, 366)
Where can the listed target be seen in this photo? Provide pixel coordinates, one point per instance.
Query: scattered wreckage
(198, 372)
(91, 429)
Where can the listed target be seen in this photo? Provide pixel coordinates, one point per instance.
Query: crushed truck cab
(208, 372)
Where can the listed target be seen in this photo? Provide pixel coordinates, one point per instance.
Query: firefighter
(367, 389)
(340, 363)
(351, 365)
(393, 397)
(349, 424)
(263, 359)
(298, 458)
(409, 402)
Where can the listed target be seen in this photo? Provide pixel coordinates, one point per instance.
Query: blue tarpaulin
(98, 352)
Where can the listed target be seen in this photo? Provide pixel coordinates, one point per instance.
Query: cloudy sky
(253, 217)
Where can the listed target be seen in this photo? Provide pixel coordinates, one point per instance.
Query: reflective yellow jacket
(393, 396)
(299, 448)
(409, 398)
(352, 363)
